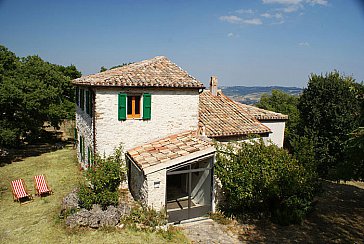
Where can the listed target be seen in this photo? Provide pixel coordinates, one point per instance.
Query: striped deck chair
(20, 191)
(41, 186)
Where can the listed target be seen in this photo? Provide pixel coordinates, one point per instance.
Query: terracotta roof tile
(221, 116)
(262, 114)
(168, 148)
(155, 72)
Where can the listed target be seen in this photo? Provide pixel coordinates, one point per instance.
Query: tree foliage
(329, 111)
(284, 103)
(353, 165)
(32, 92)
(266, 179)
(103, 68)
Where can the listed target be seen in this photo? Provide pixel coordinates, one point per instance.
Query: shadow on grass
(49, 143)
(338, 217)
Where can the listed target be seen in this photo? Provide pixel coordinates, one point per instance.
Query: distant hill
(252, 94)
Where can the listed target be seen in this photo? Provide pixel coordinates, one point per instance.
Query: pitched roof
(223, 117)
(155, 72)
(168, 148)
(262, 114)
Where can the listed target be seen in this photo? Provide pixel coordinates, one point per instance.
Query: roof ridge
(155, 72)
(221, 116)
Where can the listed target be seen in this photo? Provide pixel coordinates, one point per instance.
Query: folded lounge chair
(20, 191)
(41, 186)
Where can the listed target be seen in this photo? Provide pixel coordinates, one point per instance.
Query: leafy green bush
(145, 218)
(105, 176)
(264, 179)
(330, 108)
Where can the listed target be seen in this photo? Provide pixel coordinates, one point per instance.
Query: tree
(102, 69)
(266, 179)
(32, 92)
(284, 103)
(329, 111)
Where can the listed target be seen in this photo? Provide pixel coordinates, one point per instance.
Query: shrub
(105, 176)
(145, 218)
(263, 179)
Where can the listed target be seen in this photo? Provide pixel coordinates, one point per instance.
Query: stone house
(165, 121)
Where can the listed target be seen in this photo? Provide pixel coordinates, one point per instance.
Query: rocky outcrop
(70, 201)
(96, 217)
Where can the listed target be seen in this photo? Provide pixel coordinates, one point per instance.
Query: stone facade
(156, 185)
(138, 184)
(172, 111)
(149, 189)
(84, 125)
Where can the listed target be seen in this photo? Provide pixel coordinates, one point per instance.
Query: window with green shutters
(147, 105)
(90, 103)
(78, 96)
(129, 106)
(87, 101)
(82, 99)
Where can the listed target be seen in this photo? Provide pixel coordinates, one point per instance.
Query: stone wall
(84, 125)
(173, 111)
(157, 183)
(138, 184)
(150, 190)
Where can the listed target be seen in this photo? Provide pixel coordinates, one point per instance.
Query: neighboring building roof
(169, 148)
(221, 116)
(262, 114)
(155, 72)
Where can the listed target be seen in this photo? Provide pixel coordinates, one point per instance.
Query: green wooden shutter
(78, 96)
(82, 99)
(122, 106)
(91, 103)
(87, 102)
(147, 105)
(81, 146)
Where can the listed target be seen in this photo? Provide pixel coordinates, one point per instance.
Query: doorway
(189, 191)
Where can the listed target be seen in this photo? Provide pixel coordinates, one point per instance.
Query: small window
(133, 107)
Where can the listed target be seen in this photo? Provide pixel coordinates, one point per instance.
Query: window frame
(133, 114)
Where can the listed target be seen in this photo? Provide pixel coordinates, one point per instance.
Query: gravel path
(207, 231)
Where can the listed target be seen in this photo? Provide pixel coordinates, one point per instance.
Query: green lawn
(38, 222)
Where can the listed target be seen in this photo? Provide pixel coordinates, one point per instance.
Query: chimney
(213, 85)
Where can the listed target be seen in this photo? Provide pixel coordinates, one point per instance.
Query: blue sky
(243, 42)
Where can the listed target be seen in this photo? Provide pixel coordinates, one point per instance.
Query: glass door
(189, 191)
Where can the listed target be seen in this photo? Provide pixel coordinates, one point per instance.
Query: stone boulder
(111, 216)
(70, 201)
(96, 216)
(79, 219)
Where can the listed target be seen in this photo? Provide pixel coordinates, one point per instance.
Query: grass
(38, 222)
